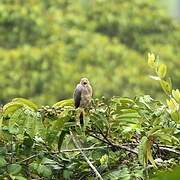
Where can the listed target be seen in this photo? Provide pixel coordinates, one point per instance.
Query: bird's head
(84, 82)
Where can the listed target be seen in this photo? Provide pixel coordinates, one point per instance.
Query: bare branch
(84, 149)
(115, 145)
(87, 160)
(170, 150)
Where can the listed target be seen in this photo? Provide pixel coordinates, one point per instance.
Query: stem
(27, 159)
(170, 150)
(85, 157)
(84, 149)
(11, 147)
(115, 145)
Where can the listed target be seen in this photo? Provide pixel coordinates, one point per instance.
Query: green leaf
(151, 60)
(176, 95)
(11, 107)
(58, 124)
(26, 102)
(122, 101)
(142, 150)
(175, 116)
(126, 100)
(47, 161)
(67, 174)
(34, 166)
(14, 169)
(20, 178)
(152, 131)
(149, 153)
(13, 129)
(67, 102)
(120, 174)
(161, 71)
(172, 105)
(129, 115)
(104, 159)
(61, 139)
(44, 171)
(3, 162)
(166, 86)
(3, 150)
(172, 174)
(1, 121)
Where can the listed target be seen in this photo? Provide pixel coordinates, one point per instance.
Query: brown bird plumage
(82, 95)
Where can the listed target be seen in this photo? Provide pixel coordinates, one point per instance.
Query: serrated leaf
(26, 102)
(161, 71)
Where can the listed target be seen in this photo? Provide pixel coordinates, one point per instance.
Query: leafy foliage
(122, 138)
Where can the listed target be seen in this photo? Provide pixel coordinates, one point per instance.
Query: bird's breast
(85, 98)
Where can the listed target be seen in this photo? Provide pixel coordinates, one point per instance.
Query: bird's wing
(77, 95)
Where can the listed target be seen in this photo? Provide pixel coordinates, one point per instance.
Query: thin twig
(84, 149)
(27, 159)
(115, 145)
(104, 141)
(169, 146)
(11, 147)
(170, 150)
(83, 154)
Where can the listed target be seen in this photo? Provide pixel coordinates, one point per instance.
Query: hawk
(82, 95)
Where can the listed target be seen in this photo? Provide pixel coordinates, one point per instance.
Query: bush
(121, 138)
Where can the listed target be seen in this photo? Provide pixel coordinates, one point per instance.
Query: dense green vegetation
(47, 46)
(132, 129)
(122, 138)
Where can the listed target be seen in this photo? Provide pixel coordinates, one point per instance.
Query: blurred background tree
(47, 46)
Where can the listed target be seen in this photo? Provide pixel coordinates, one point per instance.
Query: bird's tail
(81, 119)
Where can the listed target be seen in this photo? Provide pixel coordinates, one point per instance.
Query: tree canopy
(47, 46)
